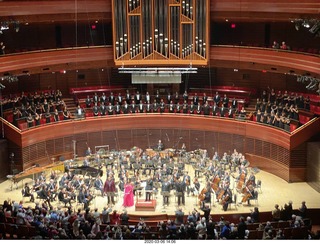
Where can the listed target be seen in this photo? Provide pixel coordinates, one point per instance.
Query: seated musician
(52, 190)
(86, 162)
(43, 194)
(84, 197)
(252, 179)
(26, 192)
(207, 196)
(226, 199)
(250, 193)
(196, 187)
(63, 197)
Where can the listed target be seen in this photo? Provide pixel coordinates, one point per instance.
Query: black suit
(165, 188)
(149, 187)
(180, 188)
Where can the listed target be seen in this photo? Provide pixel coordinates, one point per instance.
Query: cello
(241, 181)
(202, 194)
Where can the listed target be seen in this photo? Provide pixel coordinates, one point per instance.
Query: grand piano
(34, 172)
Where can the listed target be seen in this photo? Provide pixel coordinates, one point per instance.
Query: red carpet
(142, 205)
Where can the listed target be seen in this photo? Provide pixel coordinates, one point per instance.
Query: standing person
(128, 200)
(180, 188)
(276, 213)
(303, 210)
(149, 188)
(110, 189)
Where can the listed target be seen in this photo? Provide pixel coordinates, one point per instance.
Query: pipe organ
(160, 32)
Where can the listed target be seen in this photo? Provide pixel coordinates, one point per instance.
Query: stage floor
(274, 190)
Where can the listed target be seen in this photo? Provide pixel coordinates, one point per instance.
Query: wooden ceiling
(38, 11)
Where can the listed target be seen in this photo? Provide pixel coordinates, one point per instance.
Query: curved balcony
(220, 56)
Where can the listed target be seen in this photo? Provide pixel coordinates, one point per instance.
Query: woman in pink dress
(128, 199)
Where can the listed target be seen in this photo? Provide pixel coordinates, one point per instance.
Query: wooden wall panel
(313, 162)
(110, 138)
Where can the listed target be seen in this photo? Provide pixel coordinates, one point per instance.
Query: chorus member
(88, 102)
(128, 200)
(110, 108)
(103, 109)
(103, 98)
(112, 99)
(95, 110)
(30, 120)
(110, 189)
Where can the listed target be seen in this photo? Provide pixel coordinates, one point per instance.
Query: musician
(147, 98)
(196, 187)
(43, 194)
(133, 107)
(137, 98)
(109, 189)
(180, 188)
(119, 98)
(234, 104)
(103, 98)
(141, 107)
(117, 108)
(30, 120)
(76, 182)
(63, 197)
(88, 101)
(162, 106)
(192, 108)
(148, 107)
(250, 193)
(125, 108)
(98, 184)
(88, 152)
(52, 190)
(206, 108)
(186, 179)
(95, 109)
(199, 109)
(47, 115)
(149, 188)
(86, 162)
(195, 99)
(155, 106)
(252, 179)
(207, 195)
(160, 145)
(80, 112)
(112, 99)
(110, 109)
(215, 109)
(185, 107)
(26, 192)
(217, 98)
(66, 114)
(165, 188)
(226, 199)
(225, 101)
(128, 97)
(84, 197)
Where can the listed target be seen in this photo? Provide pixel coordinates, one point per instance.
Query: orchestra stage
(274, 190)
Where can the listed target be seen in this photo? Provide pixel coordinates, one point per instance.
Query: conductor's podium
(143, 205)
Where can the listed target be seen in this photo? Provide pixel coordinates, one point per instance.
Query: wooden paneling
(263, 144)
(313, 162)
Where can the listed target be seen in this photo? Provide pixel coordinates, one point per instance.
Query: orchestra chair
(234, 202)
(258, 186)
(255, 198)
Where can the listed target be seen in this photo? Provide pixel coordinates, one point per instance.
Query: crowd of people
(278, 109)
(222, 106)
(111, 224)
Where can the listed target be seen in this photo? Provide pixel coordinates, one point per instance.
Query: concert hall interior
(150, 107)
